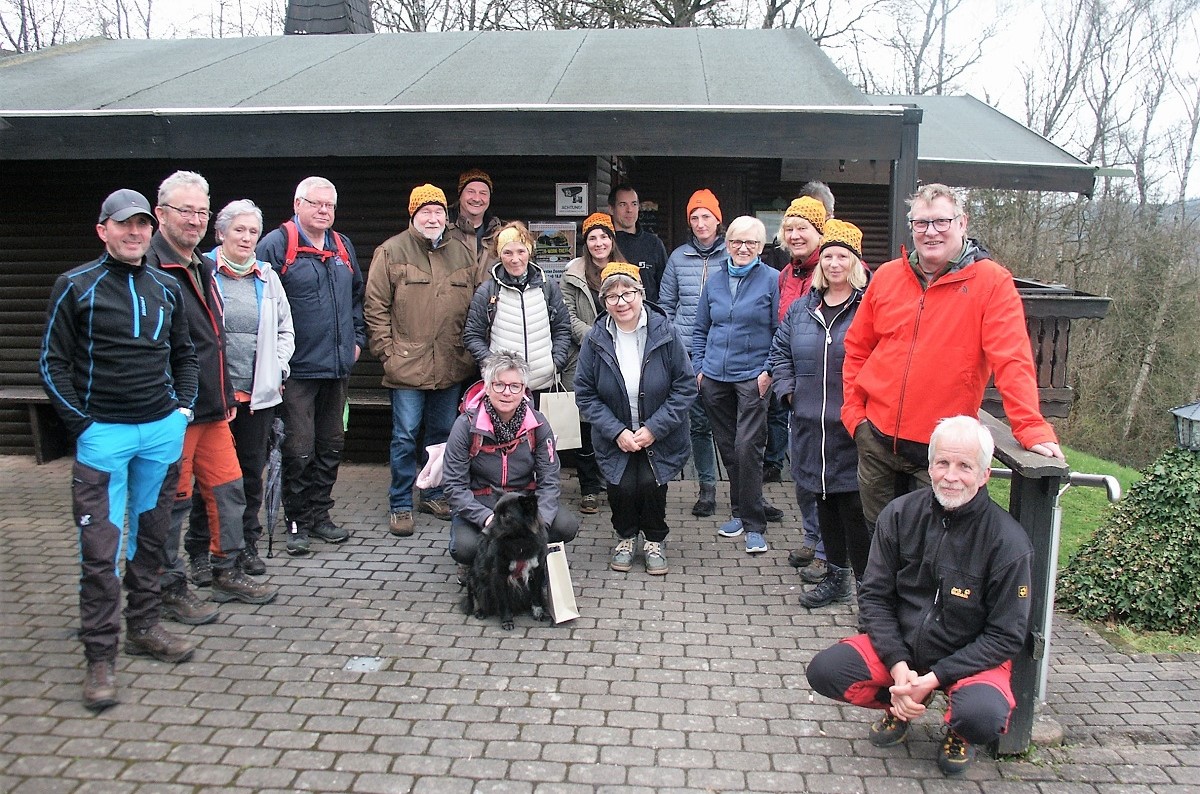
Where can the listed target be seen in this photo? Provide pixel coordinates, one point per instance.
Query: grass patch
(1084, 509)
(1151, 641)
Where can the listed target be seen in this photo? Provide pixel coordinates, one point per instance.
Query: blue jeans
(704, 454)
(436, 409)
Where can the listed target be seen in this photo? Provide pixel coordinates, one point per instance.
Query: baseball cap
(121, 205)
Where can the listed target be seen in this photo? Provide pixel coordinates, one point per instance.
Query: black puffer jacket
(946, 591)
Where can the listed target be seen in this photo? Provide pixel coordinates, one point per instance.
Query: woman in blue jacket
(806, 364)
(634, 386)
(731, 340)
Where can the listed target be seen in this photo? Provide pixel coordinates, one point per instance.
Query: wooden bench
(50, 436)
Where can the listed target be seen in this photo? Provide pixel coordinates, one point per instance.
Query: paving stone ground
(693, 682)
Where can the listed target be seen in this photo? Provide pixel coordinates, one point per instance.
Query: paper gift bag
(562, 591)
(561, 411)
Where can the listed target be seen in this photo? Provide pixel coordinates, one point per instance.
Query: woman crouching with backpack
(500, 443)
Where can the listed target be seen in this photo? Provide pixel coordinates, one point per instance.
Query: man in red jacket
(932, 327)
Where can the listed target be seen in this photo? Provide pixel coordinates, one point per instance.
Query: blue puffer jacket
(806, 364)
(682, 281)
(327, 305)
(665, 397)
(732, 336)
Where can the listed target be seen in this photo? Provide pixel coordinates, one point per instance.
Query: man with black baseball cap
(122, 374)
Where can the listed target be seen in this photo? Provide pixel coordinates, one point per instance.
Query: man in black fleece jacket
(118, 364)
(944, 604)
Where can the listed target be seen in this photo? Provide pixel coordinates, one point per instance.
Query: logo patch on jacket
(1023, 591)
(961, 592)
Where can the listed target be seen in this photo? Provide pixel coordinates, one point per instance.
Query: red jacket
(792, 286)
(914, 355)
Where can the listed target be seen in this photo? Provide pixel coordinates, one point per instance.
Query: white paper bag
(560, 588)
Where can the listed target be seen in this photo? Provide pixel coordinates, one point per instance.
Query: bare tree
(29, 25)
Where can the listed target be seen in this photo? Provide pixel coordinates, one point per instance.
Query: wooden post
(1035, 483)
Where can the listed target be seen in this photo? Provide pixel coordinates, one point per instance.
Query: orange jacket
(914, 356)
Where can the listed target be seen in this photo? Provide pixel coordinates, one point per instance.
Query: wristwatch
(188, 413)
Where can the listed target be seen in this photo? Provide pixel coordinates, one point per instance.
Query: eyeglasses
(191, 215)
(627, 297)
(321, 205)
(938, 224)
(507, 388)
(743, 243)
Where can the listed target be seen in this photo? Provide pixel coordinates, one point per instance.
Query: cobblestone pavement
(689, 682)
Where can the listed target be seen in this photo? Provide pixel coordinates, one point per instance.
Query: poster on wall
(570, 198)
(554, 246)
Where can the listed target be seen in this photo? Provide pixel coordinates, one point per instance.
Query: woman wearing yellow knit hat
(824, 457)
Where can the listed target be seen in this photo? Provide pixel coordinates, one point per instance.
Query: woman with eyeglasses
(500, 443)
(635, 388)
(731, 341)
(806, 365)
(581, 292)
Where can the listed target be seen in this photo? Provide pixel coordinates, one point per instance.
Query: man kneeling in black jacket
(944, 603)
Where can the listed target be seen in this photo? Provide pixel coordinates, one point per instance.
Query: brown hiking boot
(400, 523)
(438, 508)
(181, 605)
(100, 685)
(159, 643)
(232, 584)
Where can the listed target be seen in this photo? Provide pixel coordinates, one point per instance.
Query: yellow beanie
(508, 235)
(599, 219)
(810, 210)
(425, 194)
(847, 235)
(621, 269)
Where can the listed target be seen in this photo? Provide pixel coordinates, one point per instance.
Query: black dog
(508, 576)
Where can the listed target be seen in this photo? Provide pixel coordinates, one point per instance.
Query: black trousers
(844, 531)
(638, 502)
(312, 448)
(738, 416)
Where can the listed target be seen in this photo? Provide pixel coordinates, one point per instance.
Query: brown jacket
(416, 302)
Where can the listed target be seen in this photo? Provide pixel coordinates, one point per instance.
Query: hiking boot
(438, 508)
(801, 557)
(815, 572)
(181, 605)
(731, 528)
(622, 558)
(297, 539)
(400, 523)
(329, 532)
(100, 685)
(755, 543)
(956, 755)
(772, 512)
(250, 562)
(656, 558)
(890, 730)
(159, 643)
(589, 504)
(200, 570)
(834, 588)
(772, 473)
(706, 505)
(232, 584)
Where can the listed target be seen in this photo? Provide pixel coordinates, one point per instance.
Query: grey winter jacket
(683, 280)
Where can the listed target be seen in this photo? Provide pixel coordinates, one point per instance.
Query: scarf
(717, 242)
(240, 271)
(505, 431)
(738, 272)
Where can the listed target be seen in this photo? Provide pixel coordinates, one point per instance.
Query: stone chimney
(328, 16)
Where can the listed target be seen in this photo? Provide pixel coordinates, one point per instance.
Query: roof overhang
(863, 132)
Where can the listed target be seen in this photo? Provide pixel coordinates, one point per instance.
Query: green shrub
(1142, 567)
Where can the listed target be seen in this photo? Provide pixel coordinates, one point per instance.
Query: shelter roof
(968, 143)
